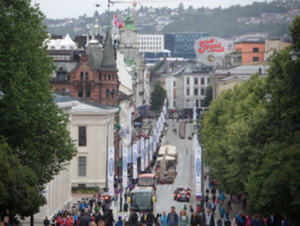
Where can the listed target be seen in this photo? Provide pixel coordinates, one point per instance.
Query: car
(179, 189)
(183, 196)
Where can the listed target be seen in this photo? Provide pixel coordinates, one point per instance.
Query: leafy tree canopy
(31, 122)
(158, 97)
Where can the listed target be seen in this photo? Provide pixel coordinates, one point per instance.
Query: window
(108, 77)
(187, 103)
(202, 92)
(195, 81)
(113, 93)
(107, 93)
(255, 50)
(82, 136)
(197, 103)
(202, 102)
(208, 80)
(196, 92)
(104, 77)
(86, 76)
(174, 83)
(80, 93)
(82, 166)
(113, 77)
(81, 76)
(255, 59)
(174, 104)
(187, 91)
(202, 81)
(87, 93)
(187, 81)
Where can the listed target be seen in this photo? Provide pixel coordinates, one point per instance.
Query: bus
(142, 200)
(147, 180)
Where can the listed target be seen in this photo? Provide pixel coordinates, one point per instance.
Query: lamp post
(294, 53)
(268, 98)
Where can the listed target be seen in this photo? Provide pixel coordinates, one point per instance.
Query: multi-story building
(251, 51)
(151, 42)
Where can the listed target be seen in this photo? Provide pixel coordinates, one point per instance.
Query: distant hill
(273, 18)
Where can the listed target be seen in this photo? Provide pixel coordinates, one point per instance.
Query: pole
(31, 220)
(121, 198)
(202, 183)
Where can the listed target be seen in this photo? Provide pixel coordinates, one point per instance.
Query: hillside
(272, 18)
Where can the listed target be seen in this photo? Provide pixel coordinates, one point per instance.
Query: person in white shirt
(208, 218)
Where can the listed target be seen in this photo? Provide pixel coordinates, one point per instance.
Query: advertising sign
(212, 50)
(142, 154)
(125, 162)
(111, 155)
(134, 156)
(151, 148)
(198, 171)
(129, 155)
(147, 154)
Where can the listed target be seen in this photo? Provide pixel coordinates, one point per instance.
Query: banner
(194, 111)
(142, 154)
(147, 154)
(129, 122)
(198, 171)
(151, 148)
(125, 162)
(111, 156)
(134, 156)
(129, 155)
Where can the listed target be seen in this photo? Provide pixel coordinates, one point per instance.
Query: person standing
(195, 221)
(240, 219)
(150, 219)
(271, 221)
(172, 219)
(109, 218)
(46, 222)
(208, 218)
(213, 207)
(163, 219)
(183, 218)
(255, 221)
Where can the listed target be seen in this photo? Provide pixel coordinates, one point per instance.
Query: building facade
(252, 52)
(151, 42)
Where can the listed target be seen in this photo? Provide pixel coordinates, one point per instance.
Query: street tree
(158, 97)
(208, 96)
(31, 122)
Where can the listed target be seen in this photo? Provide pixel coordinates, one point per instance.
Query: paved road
(184, 172)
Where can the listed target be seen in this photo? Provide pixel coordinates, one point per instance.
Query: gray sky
(58, 9)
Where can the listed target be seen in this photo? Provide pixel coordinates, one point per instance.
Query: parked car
(180, 189)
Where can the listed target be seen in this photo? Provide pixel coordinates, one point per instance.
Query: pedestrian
(249, 219)
(183, 218)
(191, 209)
(133, 217)
(195, 220)
(172, 219)
(163, 219)
(109, 218)
(240, 219)
(213, 207)
(115, 200)
(244, 204)
(206, 198)
(119, 222)
(227, 209)
(222, 210)
(150, 218)
(227, 221)
(46, 222)
(208, 218)
(184, 207)
(219, 222)
(271, 221)
(285, 221)
(85, 219)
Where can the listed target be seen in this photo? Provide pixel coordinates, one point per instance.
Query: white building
(65, 43)
(93, 128)
(150, 42)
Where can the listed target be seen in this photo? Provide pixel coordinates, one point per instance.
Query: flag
(118, 22)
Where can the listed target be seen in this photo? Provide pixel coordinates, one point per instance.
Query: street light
(294, 53)
(268, 98)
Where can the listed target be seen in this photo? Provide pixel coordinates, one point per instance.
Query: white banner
(198, 171)
(129, 155)
(111, 156)
(151, 148)
(142, 154)
(147, 154)
(194, 111)
(125, 162)
(134, 159)
(129, 122)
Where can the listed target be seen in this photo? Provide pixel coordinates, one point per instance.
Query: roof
(87, 105)
(95, 52)
(146, 175)
(245, 70)
(65, 43)
(59, 98)
(129, 23)
(142, 189)
(108, 60)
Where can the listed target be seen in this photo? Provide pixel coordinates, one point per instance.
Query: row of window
(196, 80)
(149, 38)
(107, 77)
(149, 43)
(189, 103)
(254, 49)
(144, 47)
(61, 57)
(196, 93)
(87, 94)
(82, 77)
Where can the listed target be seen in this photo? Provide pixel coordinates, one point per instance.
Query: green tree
(208, 96)
(31, 122)
(158, 97)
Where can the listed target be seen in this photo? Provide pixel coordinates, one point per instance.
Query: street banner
(129, 122)
(125, 162)
(151, 148)
(198, 171)
(142, 154)
(134, 156)
(147, 153)
(194, 111)
(129, 155)
(111, 156)
(154, 147)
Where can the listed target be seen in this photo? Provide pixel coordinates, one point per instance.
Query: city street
(184, 172)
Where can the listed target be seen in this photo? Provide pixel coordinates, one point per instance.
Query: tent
(168, 158)
(167, 149)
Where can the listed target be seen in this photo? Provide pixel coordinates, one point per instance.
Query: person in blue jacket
(172, 219)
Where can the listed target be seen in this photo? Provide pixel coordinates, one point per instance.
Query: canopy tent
(168, 158)
(167, 149)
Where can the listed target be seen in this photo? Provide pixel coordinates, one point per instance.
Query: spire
(108, 61)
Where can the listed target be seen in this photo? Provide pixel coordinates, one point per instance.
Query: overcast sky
(58, 9)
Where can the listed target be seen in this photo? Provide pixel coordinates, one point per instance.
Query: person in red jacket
(69, 221)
